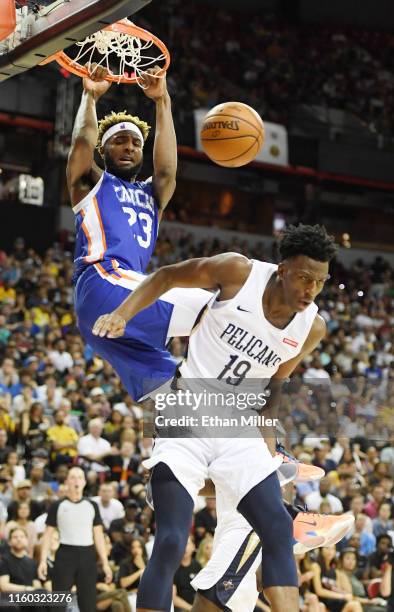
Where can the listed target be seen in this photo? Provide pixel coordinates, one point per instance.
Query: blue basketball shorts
(140, 357)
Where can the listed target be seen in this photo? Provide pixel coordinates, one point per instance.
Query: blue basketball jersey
(116, 226)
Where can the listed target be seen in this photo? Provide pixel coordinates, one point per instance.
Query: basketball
(232, 134)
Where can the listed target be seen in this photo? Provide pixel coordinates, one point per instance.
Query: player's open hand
(96, 83)
(109, 325)
(154, 87)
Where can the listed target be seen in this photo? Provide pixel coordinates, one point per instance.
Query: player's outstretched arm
(82, 172)
(226, 272)
(165, 156)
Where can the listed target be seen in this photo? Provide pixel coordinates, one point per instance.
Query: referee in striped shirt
(81, 534)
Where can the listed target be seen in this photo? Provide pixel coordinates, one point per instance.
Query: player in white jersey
(260, 326)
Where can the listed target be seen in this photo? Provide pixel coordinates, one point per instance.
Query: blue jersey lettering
(116, 225)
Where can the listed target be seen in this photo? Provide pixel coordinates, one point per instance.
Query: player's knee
(171, 545)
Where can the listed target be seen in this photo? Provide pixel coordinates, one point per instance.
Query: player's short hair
(109, 120)
(310, 240)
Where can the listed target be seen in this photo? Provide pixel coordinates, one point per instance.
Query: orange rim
(125, 27)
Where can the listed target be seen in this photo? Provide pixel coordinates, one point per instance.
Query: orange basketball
(232, 134)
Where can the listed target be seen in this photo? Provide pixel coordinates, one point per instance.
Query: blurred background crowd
(61, 405)
(270, 69)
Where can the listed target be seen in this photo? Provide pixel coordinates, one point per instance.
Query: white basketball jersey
(234, 340)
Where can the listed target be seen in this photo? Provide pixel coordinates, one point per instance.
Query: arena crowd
(265, 61)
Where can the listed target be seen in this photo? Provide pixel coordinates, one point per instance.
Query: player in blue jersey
(117, 221)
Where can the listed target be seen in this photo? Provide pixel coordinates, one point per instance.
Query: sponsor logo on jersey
(250, 345)
(290, 341)
(242, 309)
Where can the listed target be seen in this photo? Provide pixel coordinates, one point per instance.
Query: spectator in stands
(4, 446)
(131, 569)
(94, 448)
(9, 377)
(23, 520)
(124, 468)
(372, 506)
(314, 499)
(6, 421)
(22, 493)
(356, 507)
(15, 470)
(18, 572)
(5, 487)
(348, 564)
(63, 439)
(183, 593)
(332, 586)
(34, 426)
(383, 523)
(61, 358)
(204, 551)
(110, 508)
(108, 596)
(39, 489)
(206, 519)
(321, 459)
(124, 529)
(387, 586)
(378, 558)
(387, 454)
(367, 540)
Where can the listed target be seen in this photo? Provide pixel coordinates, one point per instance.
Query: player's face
(123, 155)
(302, 279)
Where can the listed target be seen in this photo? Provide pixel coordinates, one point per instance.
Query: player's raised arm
(165, 156)
(227, 272)
(82, 172)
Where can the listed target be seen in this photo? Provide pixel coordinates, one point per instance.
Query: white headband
(121, 127)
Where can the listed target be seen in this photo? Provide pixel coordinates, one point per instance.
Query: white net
(121, 54)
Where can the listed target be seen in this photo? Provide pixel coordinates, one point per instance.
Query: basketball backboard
(56, 26)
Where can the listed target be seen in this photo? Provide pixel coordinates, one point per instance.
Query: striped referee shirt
(74, 520)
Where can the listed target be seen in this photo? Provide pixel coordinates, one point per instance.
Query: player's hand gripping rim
(109, 325)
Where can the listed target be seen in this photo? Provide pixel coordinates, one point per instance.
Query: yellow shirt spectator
(40, 317)
(7, 295)
(64, 438)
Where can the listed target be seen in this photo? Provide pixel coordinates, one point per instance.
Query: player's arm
(270, 410)
(82, 171)
(165, 156)
(226, 271)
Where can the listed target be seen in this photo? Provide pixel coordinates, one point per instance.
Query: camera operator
(387, 586)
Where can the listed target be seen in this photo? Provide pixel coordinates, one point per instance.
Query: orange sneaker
(312, 530)
(305, 472)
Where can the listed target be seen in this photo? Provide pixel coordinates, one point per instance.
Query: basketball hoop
(119, 47)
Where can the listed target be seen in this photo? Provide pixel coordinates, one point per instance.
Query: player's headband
(122, 127)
